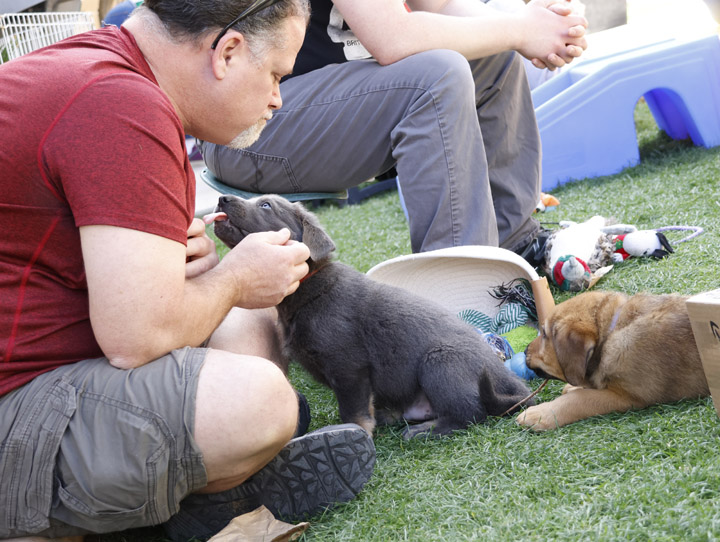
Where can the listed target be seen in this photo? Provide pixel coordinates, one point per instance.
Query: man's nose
(275, 99)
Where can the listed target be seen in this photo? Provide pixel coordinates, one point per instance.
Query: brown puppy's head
(236, 218)
(566, 348)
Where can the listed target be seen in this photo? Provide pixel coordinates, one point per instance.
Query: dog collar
(614, 320)
(310, 274)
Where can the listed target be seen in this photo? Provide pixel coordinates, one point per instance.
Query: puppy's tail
(504, 393)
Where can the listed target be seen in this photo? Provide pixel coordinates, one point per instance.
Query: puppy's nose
(224, 199)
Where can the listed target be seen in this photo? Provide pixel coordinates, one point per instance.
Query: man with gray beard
(137, 374)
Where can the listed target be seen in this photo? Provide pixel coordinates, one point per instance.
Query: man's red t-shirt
(86, 137)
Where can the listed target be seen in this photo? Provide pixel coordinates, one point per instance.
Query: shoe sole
(316, 471)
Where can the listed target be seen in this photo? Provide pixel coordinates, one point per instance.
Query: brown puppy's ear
(314, 236)
(573, 349)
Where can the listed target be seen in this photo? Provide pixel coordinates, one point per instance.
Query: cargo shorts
(89, 448)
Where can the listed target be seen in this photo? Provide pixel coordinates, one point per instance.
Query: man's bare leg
(246, 410)
(246, 413)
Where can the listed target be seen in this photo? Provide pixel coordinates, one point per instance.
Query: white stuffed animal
(576, 251)
(641, 243)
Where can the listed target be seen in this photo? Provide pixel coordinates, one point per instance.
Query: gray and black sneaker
(534, 251)
(313, 472)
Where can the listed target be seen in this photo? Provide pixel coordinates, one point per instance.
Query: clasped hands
(569, 31)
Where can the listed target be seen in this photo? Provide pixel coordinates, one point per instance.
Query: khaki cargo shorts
(91, 448)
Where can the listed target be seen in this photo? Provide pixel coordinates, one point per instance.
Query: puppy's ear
(574, 348)
(317, 240)
(314, 236)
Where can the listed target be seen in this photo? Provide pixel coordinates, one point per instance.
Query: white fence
(21, 33)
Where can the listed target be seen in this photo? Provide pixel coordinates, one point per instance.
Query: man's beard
(247, 137)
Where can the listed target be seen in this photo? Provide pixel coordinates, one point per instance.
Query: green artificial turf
(520, 337)
(650, 475)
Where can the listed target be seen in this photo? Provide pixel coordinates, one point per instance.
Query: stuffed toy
(647, 243)
(547, 202)
(579, 253)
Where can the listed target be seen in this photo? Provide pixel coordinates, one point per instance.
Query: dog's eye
(265, 205)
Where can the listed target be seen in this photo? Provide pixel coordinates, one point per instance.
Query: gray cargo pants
(462, 136)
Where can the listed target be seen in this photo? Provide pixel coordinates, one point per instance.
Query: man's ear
(229, 48)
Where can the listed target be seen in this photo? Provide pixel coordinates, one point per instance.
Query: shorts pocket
(8, 500)
(27, 457)
(97, 513)
(112, 472)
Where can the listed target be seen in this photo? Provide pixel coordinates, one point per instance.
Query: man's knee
(481, 78)
(443, 66)
(253, 383)
(252, 333)
(442, 78)
(246, 410)
(503, 71)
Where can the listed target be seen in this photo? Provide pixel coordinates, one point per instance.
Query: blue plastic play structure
(585, 114)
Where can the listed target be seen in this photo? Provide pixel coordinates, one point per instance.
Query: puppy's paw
(366, 423)
(419, 430)
(538, 418)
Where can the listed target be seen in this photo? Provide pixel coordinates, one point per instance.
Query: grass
(649, 475)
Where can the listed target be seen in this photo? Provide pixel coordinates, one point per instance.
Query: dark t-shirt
(87, 137)
(328, 40)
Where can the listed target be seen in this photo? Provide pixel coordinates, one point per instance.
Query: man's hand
(201, 255)
(555, 35)
(267, 267)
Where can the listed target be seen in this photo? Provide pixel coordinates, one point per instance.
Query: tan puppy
(617, 353)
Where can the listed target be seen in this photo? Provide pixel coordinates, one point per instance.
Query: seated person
(439, 92)
(139, 377)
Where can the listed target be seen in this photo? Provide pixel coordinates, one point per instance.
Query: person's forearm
(480, 32)
(542, 29)
(458, 8)
(472, 37)
(171, 319)
(142, 305)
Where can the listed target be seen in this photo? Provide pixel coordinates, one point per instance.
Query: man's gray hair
(193, 20)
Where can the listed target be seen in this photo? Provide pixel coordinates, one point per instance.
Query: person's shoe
(202, 516)
(313, 472)
(317, 471)
(534, 251)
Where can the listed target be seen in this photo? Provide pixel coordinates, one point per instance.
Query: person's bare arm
(543, 30)
(142, 305)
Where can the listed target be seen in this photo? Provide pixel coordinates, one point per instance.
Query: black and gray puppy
(384, 352)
